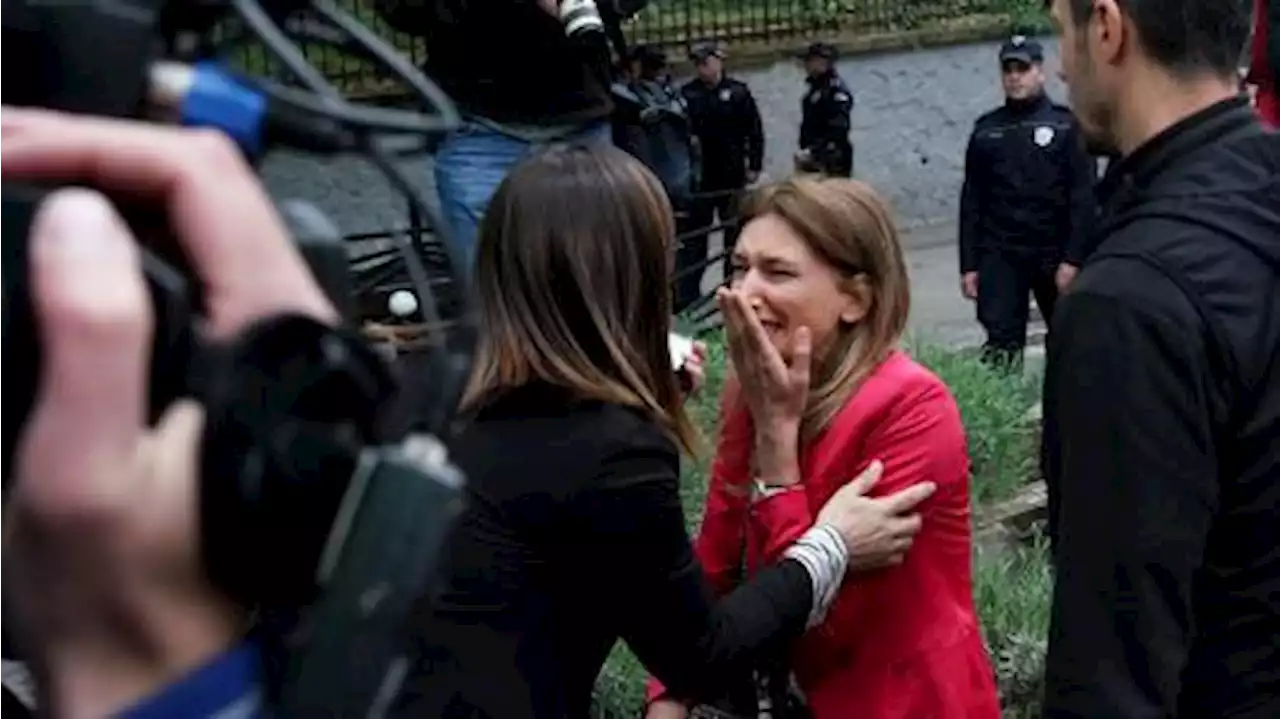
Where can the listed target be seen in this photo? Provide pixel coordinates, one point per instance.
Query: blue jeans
(471, 163)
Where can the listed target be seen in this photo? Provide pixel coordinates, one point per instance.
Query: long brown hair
(572, 278)
(850, 227)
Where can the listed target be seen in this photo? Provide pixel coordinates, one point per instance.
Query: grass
(1011, 589)
(993, 405)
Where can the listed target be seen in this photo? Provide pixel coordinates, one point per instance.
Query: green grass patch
(1012, 590)
(994, 405)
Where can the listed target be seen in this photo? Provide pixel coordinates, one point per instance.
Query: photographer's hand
(101, 548)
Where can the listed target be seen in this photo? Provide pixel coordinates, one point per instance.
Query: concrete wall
(912, 117)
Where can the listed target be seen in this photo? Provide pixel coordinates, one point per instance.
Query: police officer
(1027, 205)
(825, 116)
(726, 122)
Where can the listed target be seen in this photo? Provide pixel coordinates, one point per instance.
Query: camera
(315, 506)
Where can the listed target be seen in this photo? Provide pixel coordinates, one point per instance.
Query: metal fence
(675, 24)
(379, 270)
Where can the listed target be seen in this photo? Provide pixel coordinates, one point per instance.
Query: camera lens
(580, 16)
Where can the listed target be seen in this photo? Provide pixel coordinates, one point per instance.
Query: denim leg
(469, 166)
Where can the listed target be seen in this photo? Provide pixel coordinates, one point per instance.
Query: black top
(574, 538)
(727, 124)
(507, 61)
(1162, 436)
(826, 114)
(651, 123)
(1028, 184)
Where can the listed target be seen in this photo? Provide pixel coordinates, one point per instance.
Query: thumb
(863, 483)
(93, 316)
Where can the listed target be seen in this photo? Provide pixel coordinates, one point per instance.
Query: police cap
(704, 50)
(823, 50)
(1021, 48)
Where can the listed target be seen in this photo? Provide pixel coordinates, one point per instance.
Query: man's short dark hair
(1188, 37)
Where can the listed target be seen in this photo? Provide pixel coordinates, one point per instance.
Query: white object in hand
(681, 348)
(402, 303)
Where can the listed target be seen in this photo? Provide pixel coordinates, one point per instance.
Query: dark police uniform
(1027, 205)
(726, 122)
(825, 122)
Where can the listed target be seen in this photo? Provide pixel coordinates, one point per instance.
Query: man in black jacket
(1162, 391)
(730, 136)
(1027, 205)
(523, 74)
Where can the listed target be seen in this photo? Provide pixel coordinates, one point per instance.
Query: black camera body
(314, 505)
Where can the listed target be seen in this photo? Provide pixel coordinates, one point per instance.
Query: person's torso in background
(1023, 169)
(721, 119)
(652, 124)
(509, 60)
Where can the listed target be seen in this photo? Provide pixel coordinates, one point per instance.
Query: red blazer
(1261, 72)
(899, 643)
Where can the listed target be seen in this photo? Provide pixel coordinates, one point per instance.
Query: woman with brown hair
(574, 536)
(814, 313)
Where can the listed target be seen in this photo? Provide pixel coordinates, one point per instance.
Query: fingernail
(78, 223)
(876, 466)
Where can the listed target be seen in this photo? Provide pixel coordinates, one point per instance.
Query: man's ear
(1107, 32)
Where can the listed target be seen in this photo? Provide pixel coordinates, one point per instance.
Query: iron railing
(674, 24)
(379, 270)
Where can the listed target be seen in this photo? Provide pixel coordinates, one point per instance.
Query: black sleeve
(755, 131)
(691, 108)
(641, 555)
(970, 210)
(839, 114)
(1082, 171)
(1133, 477)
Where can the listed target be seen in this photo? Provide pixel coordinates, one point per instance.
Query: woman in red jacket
(816, 308)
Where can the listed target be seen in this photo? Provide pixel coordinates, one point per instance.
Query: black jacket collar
(1183, 138)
